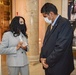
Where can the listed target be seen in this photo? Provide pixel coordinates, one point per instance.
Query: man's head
(49, 12)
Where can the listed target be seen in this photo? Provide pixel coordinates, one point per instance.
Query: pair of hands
(20, 45)
(44, 64)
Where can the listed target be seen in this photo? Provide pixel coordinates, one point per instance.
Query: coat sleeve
(64, 39)
(4, 49)
(41, 53)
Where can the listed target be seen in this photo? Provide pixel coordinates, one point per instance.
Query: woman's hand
(24, 47)
(19, 45)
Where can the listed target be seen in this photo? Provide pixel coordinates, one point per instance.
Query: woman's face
(21, 21)
(22, 25)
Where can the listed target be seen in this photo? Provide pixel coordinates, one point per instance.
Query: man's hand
(43, 61)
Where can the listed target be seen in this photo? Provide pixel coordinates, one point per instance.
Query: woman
(14, 44)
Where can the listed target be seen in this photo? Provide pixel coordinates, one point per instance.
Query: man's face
(49, 16)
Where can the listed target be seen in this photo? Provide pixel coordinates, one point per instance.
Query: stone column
(32, 18)
(0, 55)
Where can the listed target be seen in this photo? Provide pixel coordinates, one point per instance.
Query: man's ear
(51, 13)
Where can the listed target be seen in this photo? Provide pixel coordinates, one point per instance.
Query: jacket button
(22, 52)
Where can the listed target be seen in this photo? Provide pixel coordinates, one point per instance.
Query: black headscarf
(16, 27)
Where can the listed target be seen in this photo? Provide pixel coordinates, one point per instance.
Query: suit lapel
(50, 32)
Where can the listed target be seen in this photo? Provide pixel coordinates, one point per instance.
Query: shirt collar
(55, 21)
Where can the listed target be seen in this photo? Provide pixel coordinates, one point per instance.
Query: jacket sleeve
(41, 53)
(64, 39)
(4, 49)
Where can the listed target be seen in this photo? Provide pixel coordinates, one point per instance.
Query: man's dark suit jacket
(57, 48)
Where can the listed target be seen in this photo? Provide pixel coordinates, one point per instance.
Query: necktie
(51, 27)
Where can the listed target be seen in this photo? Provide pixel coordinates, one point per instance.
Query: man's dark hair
(48, 7)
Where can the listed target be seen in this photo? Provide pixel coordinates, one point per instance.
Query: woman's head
(18, 25)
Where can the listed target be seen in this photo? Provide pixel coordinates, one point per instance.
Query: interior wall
(64, 8)
(42, 27)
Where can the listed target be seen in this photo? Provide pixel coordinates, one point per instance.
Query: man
(56, 53)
